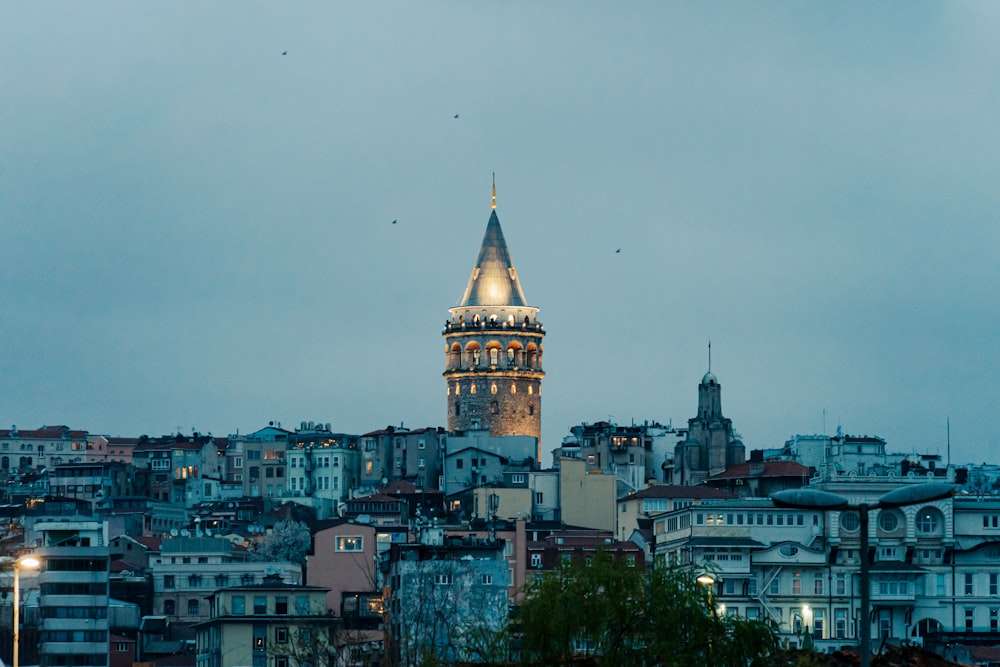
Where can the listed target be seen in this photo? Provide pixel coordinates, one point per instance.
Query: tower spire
(493, 204)
(709, 355)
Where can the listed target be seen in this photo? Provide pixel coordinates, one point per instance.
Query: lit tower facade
(493, 348)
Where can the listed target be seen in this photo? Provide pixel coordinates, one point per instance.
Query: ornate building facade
(493, 348)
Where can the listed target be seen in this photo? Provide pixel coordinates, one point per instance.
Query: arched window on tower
(531, 409)
(494, 356)
(458, 409)
(494, 407)
(475, 356)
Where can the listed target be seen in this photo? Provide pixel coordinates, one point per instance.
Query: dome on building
(709, 379)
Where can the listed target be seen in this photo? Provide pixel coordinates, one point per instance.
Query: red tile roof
(768, 469)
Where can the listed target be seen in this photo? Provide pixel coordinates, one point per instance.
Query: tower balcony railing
(493, 369)
(487, 325)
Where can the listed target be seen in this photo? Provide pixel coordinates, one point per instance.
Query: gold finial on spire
(493, 205)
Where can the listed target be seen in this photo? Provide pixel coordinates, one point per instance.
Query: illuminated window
(472, 389)
(350, 543)
(513, 388)
(531, 390)
(493, 389)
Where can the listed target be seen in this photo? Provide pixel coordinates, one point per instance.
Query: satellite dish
(185, 532)
(173, 532)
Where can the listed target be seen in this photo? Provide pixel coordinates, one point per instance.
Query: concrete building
(493, 348)
(73, 593)
(397, 453)
(635, 454)
(188, 568)
(640, 506)
(22, 450)
(269, 624)
(586, 498)
(444, 595)
(322, 468)
(935, 573)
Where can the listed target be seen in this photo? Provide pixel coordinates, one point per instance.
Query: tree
(289, 541)
(629, 616)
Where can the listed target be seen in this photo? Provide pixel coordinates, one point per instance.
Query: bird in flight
(455, 116)
(284, 53)
(394, 221)
(618, 251)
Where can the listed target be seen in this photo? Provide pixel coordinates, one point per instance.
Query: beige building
(271, 624)
(586, 499)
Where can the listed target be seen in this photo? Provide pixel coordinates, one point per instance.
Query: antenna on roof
(709, 355)
(493, 204)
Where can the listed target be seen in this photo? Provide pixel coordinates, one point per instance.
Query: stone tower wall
(503, 412)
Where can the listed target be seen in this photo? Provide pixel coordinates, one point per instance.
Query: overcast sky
(196, 229)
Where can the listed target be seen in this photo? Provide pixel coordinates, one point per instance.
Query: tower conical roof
(494, 280)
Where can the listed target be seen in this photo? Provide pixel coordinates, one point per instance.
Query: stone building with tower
(711, 444)
(493, 348)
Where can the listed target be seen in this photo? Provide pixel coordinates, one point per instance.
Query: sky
(196, 227)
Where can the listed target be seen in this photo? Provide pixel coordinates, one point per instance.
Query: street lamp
(708, 581)
(30, 563)
(813, 499)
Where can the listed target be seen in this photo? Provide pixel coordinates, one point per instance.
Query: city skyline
(197, 207)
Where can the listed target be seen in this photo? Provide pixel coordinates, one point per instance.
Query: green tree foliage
(289, 541)
(631, 616)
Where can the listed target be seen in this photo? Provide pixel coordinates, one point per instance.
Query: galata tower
(493, 347)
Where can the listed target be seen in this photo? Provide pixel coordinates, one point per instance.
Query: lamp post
(30, 563)
(708, 581)
(824, 500)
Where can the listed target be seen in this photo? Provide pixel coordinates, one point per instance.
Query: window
(797, 584)
(169, 607)
(968, 583)
(538, 497)
(351, 543)
(259, 605)
(239, 605)
(968, 620)
(774, 588)
(927, 522)
(281, 605)
(517, 479)
(888, 521)
(192, 607)
(281, 635)
(840, 623)
(442, 579)
(536, 560)
(752, 586)
(246, 580)
(849, 521)
(194, 581)
(994, 583)
(281, 661)
(486, 580)
(168, 581)
(994, 616)
(817, 584)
